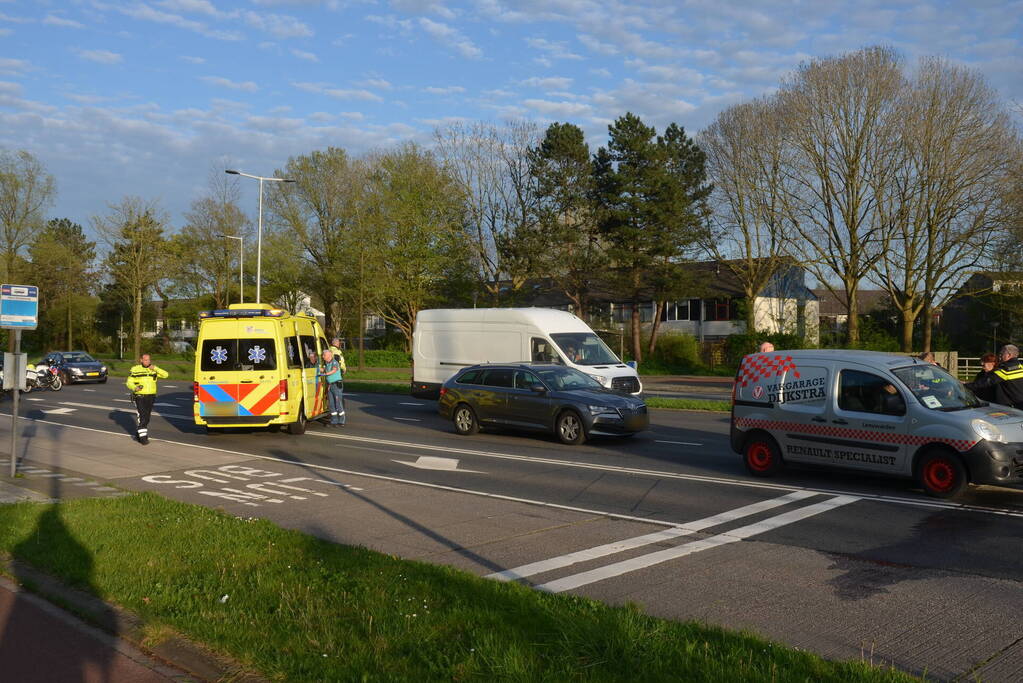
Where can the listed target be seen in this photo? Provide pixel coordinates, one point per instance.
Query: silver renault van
(873, 412)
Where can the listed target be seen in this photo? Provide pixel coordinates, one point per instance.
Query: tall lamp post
(259, 230)
(241, 264)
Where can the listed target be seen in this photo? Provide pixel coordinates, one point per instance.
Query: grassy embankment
(294, 607)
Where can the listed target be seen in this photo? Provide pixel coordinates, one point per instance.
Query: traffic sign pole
(19, 310)
(15, 394)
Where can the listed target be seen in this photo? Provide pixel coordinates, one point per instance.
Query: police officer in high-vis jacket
(1007, 378)
(141, 383)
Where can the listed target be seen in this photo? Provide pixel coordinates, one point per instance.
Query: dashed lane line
(686, 529)
(166, 416)
(880, 498)
(740, 534)
(679, 443)
(408, 419)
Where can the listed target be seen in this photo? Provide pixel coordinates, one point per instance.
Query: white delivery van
(445, 340)
(872, 412)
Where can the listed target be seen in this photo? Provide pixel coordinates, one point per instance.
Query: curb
(176, 651)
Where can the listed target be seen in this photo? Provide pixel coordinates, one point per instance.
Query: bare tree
(746, 155)
(842, 125)
(133, 230)
(26, 189)
(948, 199)
(205, 260)
(490, 164)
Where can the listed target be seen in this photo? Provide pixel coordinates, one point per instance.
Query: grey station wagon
(539, 397)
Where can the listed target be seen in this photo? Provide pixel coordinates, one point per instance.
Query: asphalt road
(841, 563)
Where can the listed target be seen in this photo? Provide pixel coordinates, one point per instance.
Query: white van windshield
(937, 389)
(584, 348)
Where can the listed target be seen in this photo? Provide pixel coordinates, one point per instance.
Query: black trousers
(144, 406)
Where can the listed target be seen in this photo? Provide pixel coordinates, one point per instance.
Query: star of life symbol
(257, 354)
(218, 355)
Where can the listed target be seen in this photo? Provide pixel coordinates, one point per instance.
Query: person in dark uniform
(987, 370)
(141, 383)
(1006, 379)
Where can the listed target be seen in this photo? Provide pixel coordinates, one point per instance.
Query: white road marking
(92, 390)
(170, 386)
(33, 399)
(880, 498)
(687, 529)
(166, 416)
(740, 534)
(123, 400)
(429, 462)
(32, 470)
(167, 405)
(58, 411)
(411, 404)
(408, 419)
(680, 443)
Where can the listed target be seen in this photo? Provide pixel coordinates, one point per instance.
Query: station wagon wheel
(465, 420)
(761, 456)
(569, 428)
(942, 474)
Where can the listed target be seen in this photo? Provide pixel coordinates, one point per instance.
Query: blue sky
(147, 97)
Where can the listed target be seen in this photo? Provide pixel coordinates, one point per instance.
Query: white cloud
(14, 67)
(353, 115)
(338, 93)
(560, 109)
(9, 88)
(278, 25)
(302, 54)
(146, 13)
(193, 7)
(553, 49)
(100, 56)
(450, 37)
(244, 86)
(423, 7)
(390, 21)
(378, 83)
(548, 83)
(15, 20)
(6, 31)
(192, 60)
(447, 90)
(603, 73)
(54, 20)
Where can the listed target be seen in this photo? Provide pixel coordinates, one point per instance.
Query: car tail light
(284, 390)
(443, 390)
(195, 392)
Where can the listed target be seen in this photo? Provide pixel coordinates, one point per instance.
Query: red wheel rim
(759, 456)
(939, 475)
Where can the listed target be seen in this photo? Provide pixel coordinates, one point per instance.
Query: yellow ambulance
(255, 366)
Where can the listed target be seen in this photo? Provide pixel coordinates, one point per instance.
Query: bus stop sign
(19, 307)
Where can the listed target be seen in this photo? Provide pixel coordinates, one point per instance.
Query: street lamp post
(241, 265)
(259, 229)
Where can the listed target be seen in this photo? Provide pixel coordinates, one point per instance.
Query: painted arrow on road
(426, 462)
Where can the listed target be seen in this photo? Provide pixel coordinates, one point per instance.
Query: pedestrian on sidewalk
(141, 383)
(330, 370)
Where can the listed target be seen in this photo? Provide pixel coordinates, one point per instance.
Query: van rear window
(238, 354)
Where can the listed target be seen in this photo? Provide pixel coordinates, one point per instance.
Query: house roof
(869, 301)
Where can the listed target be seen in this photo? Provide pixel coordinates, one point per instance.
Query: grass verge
(687, 404)
(297, 608)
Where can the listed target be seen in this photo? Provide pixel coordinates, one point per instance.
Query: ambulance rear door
(239, 381)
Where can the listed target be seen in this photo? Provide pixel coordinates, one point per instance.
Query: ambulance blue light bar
(243, 313)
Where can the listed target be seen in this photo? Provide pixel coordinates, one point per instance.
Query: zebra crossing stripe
(740, 534)
(686, 529)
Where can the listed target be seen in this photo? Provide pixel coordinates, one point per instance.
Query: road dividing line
(679, 443)
(34, 399)
(740, 534)
(57, 411)
(411, 404)
(408, 419)
(167, 416)
(687, 529)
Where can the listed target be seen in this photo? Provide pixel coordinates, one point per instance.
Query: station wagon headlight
(988, 431)
(601, 410)
(75, 371)
(103, 368)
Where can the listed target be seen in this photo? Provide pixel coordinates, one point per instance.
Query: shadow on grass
(35, 644)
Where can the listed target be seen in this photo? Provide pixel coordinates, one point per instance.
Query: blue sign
(19, 307)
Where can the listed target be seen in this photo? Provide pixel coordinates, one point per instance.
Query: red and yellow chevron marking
(250, 398)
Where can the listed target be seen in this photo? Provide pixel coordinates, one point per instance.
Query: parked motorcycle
(44, 377)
